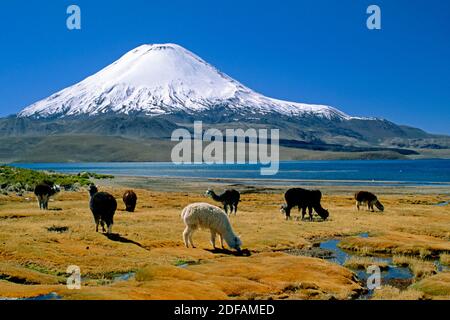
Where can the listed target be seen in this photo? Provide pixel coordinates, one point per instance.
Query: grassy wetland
(145, 258)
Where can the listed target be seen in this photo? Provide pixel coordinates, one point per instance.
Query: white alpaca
(207, 216)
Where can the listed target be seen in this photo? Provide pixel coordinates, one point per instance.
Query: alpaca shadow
(55, 209)
(118, 238)
(315, 219)
(242, 253)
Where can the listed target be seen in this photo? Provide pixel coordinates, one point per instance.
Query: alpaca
(230, 199)
(369, 198)
(43, 192)
(103, 207)
(207, 216)
(130, 199)
(302, 198)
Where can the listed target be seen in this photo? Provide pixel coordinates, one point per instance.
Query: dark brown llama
(362, 197)
(130, 200)
(302, 198)
(229, 198)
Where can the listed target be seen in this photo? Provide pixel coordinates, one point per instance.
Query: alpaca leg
(190, 232)
(288, 212)
(225, 207)
(357, 205)
(310, 213)
(103, 225)
(213, 239)
(110, 228)
(45, 200)
(221, 241)
(303, 212)
(235, 208)
(186, 237)
(190, 238)
(97, 221)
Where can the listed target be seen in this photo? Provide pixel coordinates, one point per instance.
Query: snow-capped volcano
(164, 79)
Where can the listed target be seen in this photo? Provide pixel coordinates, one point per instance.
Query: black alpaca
(369, 198)
(130, 199)
(302, 198)
(230, 199)
(43, 192)
(103, 207)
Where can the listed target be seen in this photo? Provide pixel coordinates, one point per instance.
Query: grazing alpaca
(230, 199)
(130, 199)
(302, 198)
(103, 207)
(43, 192)
(207, 216)
(362, 197)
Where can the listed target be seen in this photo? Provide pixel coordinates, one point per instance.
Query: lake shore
(178, 184)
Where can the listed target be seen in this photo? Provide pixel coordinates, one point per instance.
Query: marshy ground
(146, 258)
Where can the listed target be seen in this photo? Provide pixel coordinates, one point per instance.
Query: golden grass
(259, 276)
(401, 243)
(437, 286)
(150, 243)
(392, 293)
(445, 259)
(356, 262)
(419, 268)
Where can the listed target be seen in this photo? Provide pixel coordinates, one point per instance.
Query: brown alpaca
(362, 197)
(130, 199)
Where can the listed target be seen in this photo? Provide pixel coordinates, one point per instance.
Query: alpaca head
(379, 206)
(56, 188)
(92, 190)
(235, 243)
(209, 193)
(324, 214)
(283, 209)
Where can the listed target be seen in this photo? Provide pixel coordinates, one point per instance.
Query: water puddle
(396, 276)
(184, 264)
(123, 277)
(118, 277)
(443, 203)
(50, 296)
(42, 297)
(393, 275)
(112, 278)
(440, 267)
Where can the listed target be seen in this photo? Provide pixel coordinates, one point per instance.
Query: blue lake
(377, 172)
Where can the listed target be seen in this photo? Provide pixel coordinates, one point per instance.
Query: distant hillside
(90, 148)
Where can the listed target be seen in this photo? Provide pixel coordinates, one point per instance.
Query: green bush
(18, 179)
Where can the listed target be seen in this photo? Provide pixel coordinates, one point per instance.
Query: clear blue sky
(306, 51)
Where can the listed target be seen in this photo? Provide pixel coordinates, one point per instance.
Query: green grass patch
(18, 180)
